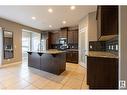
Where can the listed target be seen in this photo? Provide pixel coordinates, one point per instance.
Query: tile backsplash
(110, 45)
(97, 46)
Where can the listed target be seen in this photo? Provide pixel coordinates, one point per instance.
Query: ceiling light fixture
(64, 22)
(50, 26)
(34, 18)
(72, 7)
(50, 10)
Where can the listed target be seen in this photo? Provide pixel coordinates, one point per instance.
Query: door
(83, 46)
(1, 46)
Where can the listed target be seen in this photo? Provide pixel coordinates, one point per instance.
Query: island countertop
(50, 51)
(102, 54)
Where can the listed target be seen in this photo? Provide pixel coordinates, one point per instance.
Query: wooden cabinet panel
(102, 73)
(107, 20)
(72, 56)
(34, 60)
(55, 38)
(63, 33)
(70, 37)
(73, 37)
(68, 56)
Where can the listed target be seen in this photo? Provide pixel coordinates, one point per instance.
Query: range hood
(108, 37)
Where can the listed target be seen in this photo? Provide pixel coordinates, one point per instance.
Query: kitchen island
(52, 61)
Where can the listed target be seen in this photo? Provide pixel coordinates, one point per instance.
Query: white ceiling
(23, 14)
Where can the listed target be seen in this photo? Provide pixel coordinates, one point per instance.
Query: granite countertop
(102, 54)
(72, 49)
(50, 51)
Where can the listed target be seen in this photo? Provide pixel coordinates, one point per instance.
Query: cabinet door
(70, 37)
(55, 38)
(74, 57)
(75, 37)
(63, 33)
(68, 56)
(102, 73)
(91, 71)
(107, 20)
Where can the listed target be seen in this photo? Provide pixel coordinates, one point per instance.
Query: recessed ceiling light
(50, 26)
(50, 10)
(64, 22)
(34, 18)
(72, 7)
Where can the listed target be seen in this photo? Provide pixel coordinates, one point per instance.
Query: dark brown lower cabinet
(72, 56)
(102, 73)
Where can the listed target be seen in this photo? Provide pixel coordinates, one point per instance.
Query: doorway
(83, 46)
(30, 42)
(25, 45)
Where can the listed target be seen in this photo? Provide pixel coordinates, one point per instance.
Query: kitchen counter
(50, 51)
(102, 54)
(52, 61)
(72, 50)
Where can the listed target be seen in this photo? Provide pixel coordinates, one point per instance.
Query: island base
(52, 63)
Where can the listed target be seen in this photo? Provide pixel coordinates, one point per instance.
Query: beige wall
(17, 33)
(123, 43)
(92, 26)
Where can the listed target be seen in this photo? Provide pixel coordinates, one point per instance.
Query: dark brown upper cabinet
(63, 32)
(55, 38)
(73, 37)
(107, 21)
(70, 36)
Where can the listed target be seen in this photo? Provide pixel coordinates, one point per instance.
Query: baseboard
(10, 64)
(84, 66)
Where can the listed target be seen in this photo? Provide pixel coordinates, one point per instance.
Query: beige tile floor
(22, 77)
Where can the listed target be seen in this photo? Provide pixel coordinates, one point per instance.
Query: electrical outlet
(116, 47)
(109, 47)
(8, 59)
(112, 47)
(122, 84)
(91, 47)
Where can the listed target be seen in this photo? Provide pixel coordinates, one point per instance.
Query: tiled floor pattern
(24, 77)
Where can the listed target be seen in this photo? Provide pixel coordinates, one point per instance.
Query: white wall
(83, 41)
(1, 46)
(89, 25)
